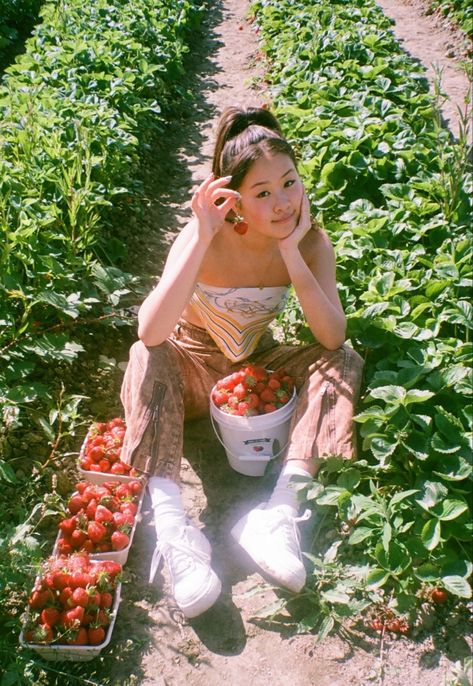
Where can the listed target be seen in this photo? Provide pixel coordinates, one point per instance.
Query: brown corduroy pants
(169, 383)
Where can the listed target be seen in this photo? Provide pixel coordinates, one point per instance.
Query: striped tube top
(236, 318)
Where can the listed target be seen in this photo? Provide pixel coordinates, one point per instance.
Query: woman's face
(271, 195)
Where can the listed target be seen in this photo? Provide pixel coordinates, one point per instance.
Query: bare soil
(153, 645)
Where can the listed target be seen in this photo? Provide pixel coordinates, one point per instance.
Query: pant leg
(163, 386)
(328, 384)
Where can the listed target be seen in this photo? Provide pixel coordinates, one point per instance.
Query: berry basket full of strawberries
(101, 520)
(100, 454)
(72, 607)
(251, 411)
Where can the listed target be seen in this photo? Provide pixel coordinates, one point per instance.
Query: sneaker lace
(179, 555)
(287, 528)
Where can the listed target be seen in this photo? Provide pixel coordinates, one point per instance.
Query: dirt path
(153, 644)
(440, 49)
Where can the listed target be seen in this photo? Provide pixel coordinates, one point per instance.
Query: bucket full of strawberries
(251, 412)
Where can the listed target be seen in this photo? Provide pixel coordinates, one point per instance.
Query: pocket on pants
(328, 418)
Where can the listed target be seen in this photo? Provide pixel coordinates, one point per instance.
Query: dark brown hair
(244, 136)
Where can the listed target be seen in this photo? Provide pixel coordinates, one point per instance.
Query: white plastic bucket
(251, 442)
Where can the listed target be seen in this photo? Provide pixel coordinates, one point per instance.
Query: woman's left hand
(302, 227)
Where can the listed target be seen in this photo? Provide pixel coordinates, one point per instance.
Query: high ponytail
(243, 136)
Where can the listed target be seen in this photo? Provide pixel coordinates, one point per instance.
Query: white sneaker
(187, 552)
(271, 538)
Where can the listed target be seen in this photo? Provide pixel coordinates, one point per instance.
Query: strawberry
(75, 504)
(128, 507)
(123, 519)
(268, 395)
(60, 580)
(240, 391)
(439, 595)
(73, 618)
(78, 538)
(43, 634)
(94, 599)
(96, 531)
(106, 600)
(103, 514)
(119, 540)
(49, 616)
(80, 597)
(102, 618)
(39, 599)
(65, 597)
(219, 397)
(96, 635)
(91, 509)
(113, 569)
(79, 637)
(67, 526)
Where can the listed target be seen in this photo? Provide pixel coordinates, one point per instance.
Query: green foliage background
(392, 189)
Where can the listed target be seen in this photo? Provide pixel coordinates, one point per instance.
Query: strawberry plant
(392, 190)
(460, 11)
(93, 84)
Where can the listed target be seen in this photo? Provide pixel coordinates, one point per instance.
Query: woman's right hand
(211, 216)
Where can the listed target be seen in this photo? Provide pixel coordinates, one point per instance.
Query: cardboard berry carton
(72, 608)
(101, 520)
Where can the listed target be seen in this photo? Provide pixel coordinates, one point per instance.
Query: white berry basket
(58, 652)
(102, 477)
(120, 556)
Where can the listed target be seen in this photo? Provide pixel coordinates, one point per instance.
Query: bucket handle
(273, 457)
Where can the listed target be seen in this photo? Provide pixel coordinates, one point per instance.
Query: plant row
(392, 191)
(460, 11)
(94, 83)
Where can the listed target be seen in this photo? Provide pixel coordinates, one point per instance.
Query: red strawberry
(240, 391)
(96, 635)
(49, 616)
(39, 599)
(67, 526)
(75, 504)
(103, 514)
(73, 618)
(96, 531)
(78, 538)
(79, 638)
(119, 540)
(106, 600)
(42, 634)
(439, 595)
(80, 597)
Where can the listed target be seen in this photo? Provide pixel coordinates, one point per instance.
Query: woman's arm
(162, 308)
(315, 282)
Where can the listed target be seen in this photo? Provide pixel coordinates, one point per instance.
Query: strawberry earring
(240, 225)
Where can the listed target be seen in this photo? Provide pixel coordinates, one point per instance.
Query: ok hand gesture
(211, 203)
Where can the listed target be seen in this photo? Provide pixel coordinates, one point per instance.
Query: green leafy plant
(392, 190)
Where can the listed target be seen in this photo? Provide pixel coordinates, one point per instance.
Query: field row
(391, 189)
